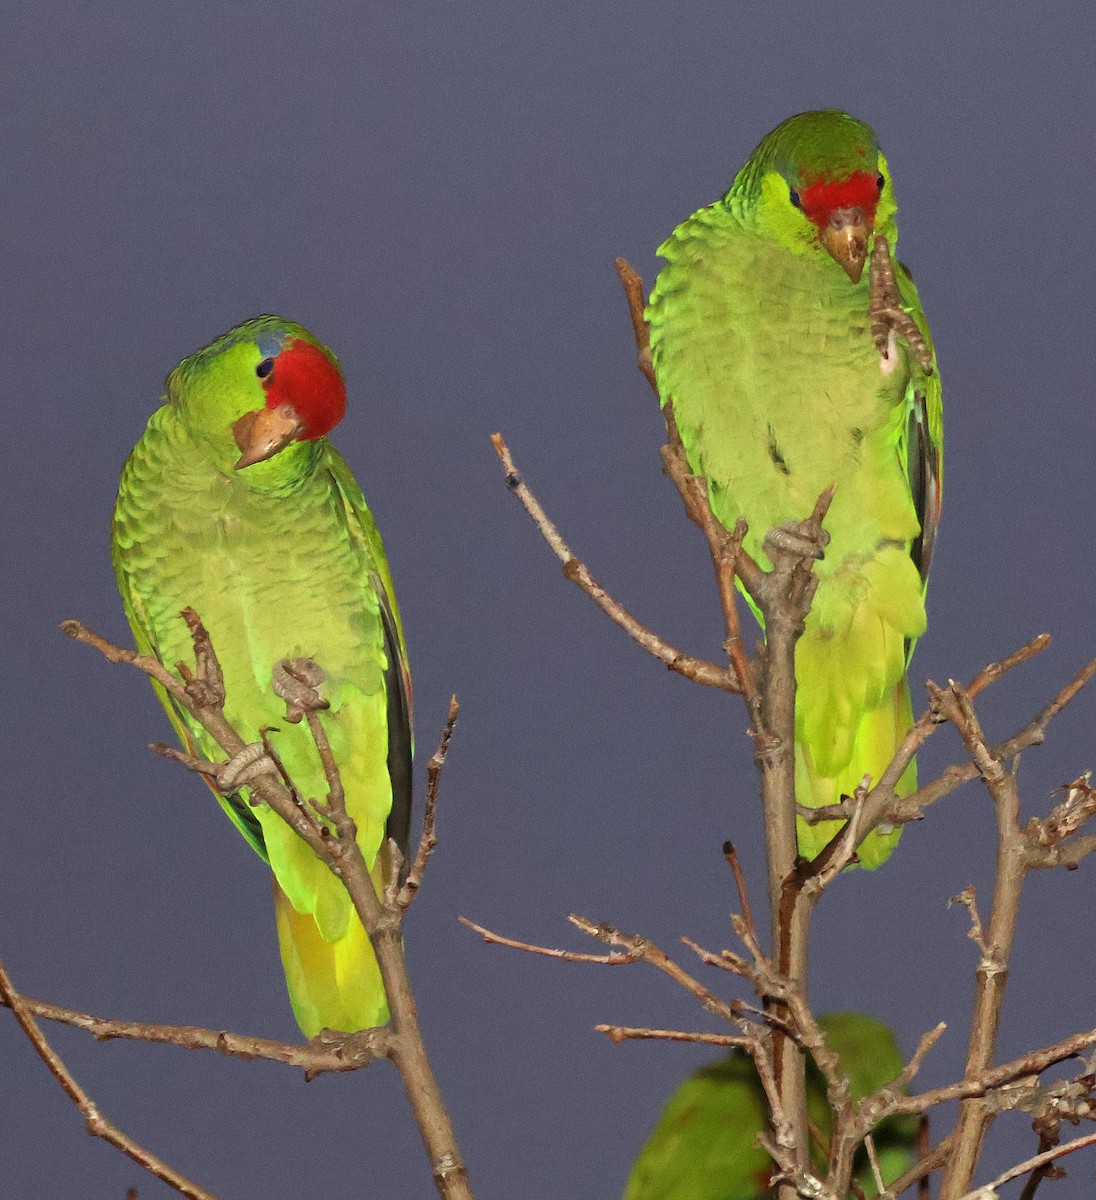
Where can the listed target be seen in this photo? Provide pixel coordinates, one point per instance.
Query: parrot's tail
(877, 737)
(332, 985)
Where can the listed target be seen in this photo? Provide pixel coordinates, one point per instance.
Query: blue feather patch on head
(270, 343)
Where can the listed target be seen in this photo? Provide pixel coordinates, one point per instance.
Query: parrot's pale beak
(262, 433)
(846, 238)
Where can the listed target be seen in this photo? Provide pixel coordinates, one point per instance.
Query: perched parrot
(761, 336)
(235, 503)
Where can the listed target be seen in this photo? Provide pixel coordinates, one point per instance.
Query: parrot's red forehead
(306, 378)
(822, 197)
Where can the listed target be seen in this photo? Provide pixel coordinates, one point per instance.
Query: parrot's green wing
(924, 441)
(397, 674)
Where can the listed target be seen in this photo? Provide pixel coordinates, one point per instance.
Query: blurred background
(438, 190)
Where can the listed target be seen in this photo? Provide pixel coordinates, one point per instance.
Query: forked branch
(330, 832)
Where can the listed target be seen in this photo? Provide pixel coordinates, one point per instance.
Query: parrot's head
(258, 389)
(820, 184)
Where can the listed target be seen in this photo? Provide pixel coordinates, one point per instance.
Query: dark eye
(795, 199)
(264, 368)
(879, 182)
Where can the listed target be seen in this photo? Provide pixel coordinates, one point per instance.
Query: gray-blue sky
(438, 190)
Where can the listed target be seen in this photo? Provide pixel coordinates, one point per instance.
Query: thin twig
(731, 855)
(873, 1159)
(699, 670)
(1044, 1170)
(987, 1190)
(633, 291)
(724, 546)
(976, 933)
(929, 1161)
(885, 805)
(97, 1124)
(993, 671)
(312, 1057)
(992, 1078)
(429, 836)
(642, 948)
(613, 959)
(928, 1040)
(621, 1033)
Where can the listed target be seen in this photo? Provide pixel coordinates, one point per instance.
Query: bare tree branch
(97, 1124)
(201, 693)
(496, 939)
(313, 1057)
(429, 836)
(992, 973)
(622, 1033)
(731, 855)
(988, 1190)
(699, 670)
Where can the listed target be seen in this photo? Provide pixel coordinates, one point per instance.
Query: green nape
(761, 340)
(280, 559)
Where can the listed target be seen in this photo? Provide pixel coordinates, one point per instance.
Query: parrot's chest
(276, 570)
(801, 329)
(790, 364)
(780, 391)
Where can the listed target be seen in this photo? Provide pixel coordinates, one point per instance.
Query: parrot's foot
(889, 319)
(296, 681)
(358, 1048)
(243, 767)
(798, 539)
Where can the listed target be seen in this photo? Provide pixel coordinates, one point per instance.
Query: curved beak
(846, 238)
(262, 433)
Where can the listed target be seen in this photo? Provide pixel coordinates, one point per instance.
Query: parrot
(704, 1144)
(761, 332)
(234, 503)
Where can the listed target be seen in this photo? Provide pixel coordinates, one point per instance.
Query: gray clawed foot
(358, 1048)
(243, 767)
(296, 681)
(797, 538)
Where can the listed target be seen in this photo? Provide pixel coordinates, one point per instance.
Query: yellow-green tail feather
(879, 732)
(335, 985)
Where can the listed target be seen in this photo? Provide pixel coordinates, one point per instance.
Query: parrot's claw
(889, 318)
(357, 1048)
(296, 681)
(243, 767)
(793, 538)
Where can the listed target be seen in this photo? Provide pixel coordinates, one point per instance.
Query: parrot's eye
(879, 182)
(264, 368)
(796, 202)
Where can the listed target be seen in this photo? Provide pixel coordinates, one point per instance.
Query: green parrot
(235, 503)
(761, 337)
(704, 1145)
